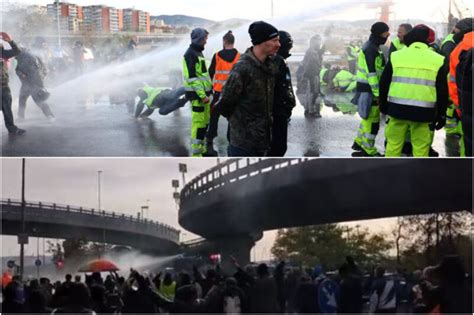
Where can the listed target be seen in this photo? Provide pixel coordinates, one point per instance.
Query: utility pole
(58, 15)
(37, 256)
(272, 8)
(44, 255)
(23, 239)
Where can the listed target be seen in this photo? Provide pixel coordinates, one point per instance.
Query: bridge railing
(193, 243)
(232, 171)
(163, 228)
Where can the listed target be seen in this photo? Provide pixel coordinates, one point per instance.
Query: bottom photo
(125, 235)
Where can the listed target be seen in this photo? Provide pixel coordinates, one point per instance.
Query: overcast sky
(126, 185)
(430, 10)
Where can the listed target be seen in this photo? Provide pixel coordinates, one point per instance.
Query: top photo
(267, 78)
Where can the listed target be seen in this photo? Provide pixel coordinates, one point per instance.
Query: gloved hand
(440, 122)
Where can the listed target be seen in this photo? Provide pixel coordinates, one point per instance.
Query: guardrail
(110, 35)
(193, 243)
(232, 171)
(166, 229)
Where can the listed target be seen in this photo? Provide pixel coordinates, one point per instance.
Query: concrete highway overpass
(51, 220)
(233, 203)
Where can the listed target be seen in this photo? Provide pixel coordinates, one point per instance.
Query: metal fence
(232, 171)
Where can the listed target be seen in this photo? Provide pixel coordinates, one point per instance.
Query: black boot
(433, 152)
(356, 147)
(210, 149)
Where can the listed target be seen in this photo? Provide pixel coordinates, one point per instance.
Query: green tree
(434, 236)
(329, 244)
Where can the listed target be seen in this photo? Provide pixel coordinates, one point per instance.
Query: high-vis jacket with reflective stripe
(151, 93)
(197, 81)
(353, 52)
(322, 73)
(466, 44)
(223, 69)
(369, 68)
(415, 70)
(447, 47)
(398, 44)
(449, 38)
(343, 79)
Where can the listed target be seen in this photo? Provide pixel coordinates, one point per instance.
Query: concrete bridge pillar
(237, 246)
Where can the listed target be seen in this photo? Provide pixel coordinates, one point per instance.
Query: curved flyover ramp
(240, 198)
(62, 221)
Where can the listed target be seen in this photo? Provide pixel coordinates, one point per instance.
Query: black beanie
(261, 32)
(465, 25)
(379, 28)
(418, 34)
(285, 39)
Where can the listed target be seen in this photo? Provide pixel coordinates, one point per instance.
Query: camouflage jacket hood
(247, 101)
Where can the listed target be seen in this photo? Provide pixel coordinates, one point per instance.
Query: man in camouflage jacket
(247, 97)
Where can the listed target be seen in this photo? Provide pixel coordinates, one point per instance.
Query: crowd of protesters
(441, 289)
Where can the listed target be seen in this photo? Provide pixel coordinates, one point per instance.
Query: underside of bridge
(144, 243)
(328, 191)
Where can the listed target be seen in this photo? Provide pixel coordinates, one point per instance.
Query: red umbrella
(6, 279)
(101, 265)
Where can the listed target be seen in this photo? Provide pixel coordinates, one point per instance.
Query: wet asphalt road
(103, 130)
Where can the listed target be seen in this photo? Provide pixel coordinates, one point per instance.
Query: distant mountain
(183, 20)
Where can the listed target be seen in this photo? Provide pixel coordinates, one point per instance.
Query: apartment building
(136, 21)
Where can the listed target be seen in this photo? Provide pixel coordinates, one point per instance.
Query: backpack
(31, 66)
(232, 305)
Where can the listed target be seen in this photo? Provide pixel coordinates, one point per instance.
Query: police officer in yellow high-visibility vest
(369, 69)
(198, 85)
(413, 93)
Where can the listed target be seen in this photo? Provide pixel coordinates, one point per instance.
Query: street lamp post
(23, 238)
(99, 199)
(176, 194)
(144, 210)
(183, 168)
(99, 173)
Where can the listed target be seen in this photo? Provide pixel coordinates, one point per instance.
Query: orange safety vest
(466, 44)
(223, 69)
